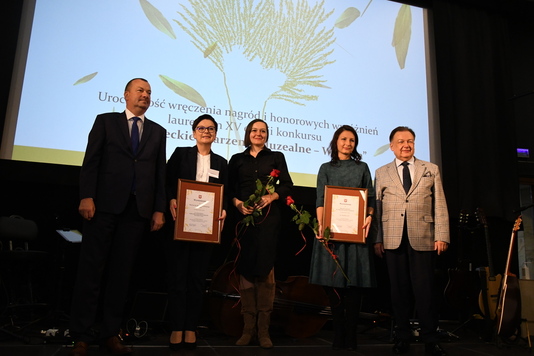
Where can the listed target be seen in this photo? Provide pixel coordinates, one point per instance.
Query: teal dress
(355, 258)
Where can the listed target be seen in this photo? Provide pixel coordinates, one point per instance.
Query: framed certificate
(199, 205)
(345, 210)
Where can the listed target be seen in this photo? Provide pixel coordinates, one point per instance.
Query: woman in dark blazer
(188, 261)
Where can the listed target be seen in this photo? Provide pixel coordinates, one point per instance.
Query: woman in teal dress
(345, 169)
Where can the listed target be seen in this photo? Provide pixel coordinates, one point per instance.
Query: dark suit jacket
(183, 164)
(109, 166)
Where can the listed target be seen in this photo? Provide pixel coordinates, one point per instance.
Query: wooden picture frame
(199, 205)
(345, 210)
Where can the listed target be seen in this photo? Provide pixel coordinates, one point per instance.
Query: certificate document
(199, 208)
(199, 205)
(344, 213)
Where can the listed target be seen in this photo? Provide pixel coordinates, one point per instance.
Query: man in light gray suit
(413, 224)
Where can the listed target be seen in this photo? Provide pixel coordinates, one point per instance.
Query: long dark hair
(334, 153)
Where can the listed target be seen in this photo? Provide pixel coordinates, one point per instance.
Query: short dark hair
(248, 130)
(334, 152)
(400, 129)
(130, 82)
(204, 117)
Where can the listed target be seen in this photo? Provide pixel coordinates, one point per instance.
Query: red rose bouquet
(255, 198)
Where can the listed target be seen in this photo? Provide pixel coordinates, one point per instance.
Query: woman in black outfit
(255, 263)
(188, 261)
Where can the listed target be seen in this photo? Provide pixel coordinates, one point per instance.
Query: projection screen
(305, 67)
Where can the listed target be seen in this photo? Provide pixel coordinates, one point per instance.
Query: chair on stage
(20, 306)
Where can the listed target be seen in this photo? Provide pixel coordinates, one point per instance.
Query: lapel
(145, 137)
(394, 175)
(420, 169)
(192, 161)
(213, 166)
(122, 123)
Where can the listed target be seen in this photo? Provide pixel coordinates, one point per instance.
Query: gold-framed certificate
(345, 210)
(199, 205)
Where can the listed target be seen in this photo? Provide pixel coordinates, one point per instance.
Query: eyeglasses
(203, 129)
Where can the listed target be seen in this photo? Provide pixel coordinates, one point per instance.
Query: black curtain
(476, 117)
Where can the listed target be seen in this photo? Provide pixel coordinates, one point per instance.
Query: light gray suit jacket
(424, 205)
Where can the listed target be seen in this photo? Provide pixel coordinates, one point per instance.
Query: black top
(183, 164)
(258, 241)
(244, 169)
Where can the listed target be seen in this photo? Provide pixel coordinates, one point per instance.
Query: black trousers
(187, 267)
(110, 243)
(411, 275)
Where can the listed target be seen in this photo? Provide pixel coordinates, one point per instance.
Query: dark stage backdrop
(477, 123)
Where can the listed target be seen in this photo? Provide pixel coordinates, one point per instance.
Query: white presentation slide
(305, 67)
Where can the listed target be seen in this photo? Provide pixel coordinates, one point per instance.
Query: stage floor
(375, 340)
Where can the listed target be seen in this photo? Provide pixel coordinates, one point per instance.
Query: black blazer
(109, 166)
(183, 164)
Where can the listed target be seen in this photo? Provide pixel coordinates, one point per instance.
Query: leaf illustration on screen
(347, 17)
(210, 49)
(157, 19)
(284, 36)
(183, 90)
(265, 31)
(381, 150)
(402, 34)
(85, 79)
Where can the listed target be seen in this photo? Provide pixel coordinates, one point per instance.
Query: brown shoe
(79, 349)
(113, 345)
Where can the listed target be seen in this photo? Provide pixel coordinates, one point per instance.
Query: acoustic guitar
(509, 309)
(489, 282)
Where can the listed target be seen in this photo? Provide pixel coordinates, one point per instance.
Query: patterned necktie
(406, 178)
(135, 135)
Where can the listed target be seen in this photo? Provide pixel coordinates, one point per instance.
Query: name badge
(213, 173)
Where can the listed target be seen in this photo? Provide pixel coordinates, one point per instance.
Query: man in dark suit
(413, 224)
(122, 192)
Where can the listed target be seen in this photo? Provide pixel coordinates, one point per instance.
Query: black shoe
(401, 347)
(190, 345)
(177, 346)
(434, 349)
